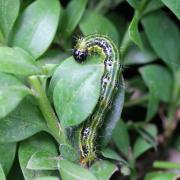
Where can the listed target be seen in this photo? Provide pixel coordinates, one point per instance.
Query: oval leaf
(72, 16)
(43, 160)
(92, 22)
(70, 170)
(174, 6)
(160, 86)
(114, 115)
(10, 57)
(7, 155)
(11, 93)
(8, 13)
(77, 91)
(36, 27)
(39, 142)
(25, 121)
(121, 137)
(103, 170)
(164, 36)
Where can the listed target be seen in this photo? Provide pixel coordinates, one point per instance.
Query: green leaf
(73, 171)
(152, 6)
(68, 152)
(10, 57)
(43, 160)
(153, 104)
(166, 165)
(71, 16)
(11, 93)
(139, 56)
(164, 37)
(134, 32)
(113, 155)
(8, 13)
(134, 3)
(160, 86)
(114, 114)
(103, 170)
(135, 55)
(39, 142)
(92, 22)
(121, 137)
(36, 27)
(2, 175)
(53, 56)
(145, 142)
(105, 6)
(174, 6)
(77, 82)
(7, 155)
(160, 176)
(25, 121)
(119, 22)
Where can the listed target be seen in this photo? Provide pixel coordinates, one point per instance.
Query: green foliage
(45, 95)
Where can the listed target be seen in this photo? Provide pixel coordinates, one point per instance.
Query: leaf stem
(52, 122)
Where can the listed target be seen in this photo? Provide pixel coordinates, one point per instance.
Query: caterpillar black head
(80, 55)
(80, 51)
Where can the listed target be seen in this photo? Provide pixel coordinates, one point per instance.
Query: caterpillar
(103, 46)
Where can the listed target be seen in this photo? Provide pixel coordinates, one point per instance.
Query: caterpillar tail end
(87, 161)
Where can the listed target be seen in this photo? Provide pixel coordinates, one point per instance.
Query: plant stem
(136, 101)
(47, 110)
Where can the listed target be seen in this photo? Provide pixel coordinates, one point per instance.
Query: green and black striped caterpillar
(103, 46)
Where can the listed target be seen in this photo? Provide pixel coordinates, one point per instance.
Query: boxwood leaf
(164, 37)
(113, 155)
(12, 91)
(2, 175)
(8, 13)
(69, 170)
(71, 16)
(145, 142)
(134, 32)
(174, 6)
(39, 142)
(25, 121)
(114, 114)
(160, 86)
(160, 176)
(10, 57)
(36, 27)
(135, 55)
(69, 153)
(121, 137)
(152, 6)
(43, 160)
(153, 104)
(92, 22)
(134, 3)
(103, 170)
(7, 154)
(77, 82)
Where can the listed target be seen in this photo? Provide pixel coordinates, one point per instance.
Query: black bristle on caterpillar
(103, 46)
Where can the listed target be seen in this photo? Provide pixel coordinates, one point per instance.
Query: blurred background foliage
(145, 143)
